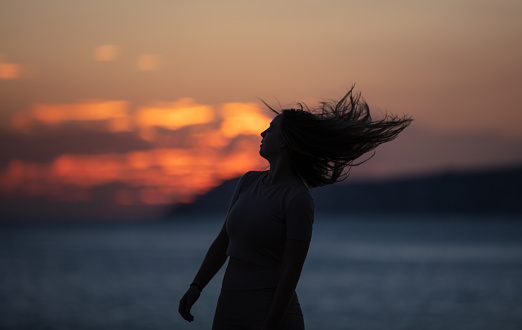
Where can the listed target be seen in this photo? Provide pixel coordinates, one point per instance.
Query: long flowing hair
(324, 142)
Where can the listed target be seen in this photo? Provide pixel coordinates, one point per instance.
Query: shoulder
(299, 212)
(299, 196)
(300, 190)
(251, 174)
(250, 177)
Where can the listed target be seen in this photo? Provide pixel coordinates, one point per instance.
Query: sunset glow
(174, 115)
(155, 176)
(9, 71)
(104, 53)
(166, 175)
(243, 119)
(148, 62)
(88, 111)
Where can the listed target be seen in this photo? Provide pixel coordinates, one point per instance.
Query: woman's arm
(215, 258)
(217, 253)
(293, 261)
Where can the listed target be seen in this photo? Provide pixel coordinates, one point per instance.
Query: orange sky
(178, 83)
(218, 143)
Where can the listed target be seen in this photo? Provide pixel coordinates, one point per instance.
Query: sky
(152, 103)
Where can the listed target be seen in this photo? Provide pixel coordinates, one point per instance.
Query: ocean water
(419, 272)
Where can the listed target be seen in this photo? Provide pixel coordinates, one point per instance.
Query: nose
(263, 133)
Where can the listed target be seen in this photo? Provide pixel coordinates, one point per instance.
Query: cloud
(9, 71)
(243, 118)
(105, 53)
(43, 146)
(65, 151)
(148, 62)
(162, 176)
(114, 113)
(174, 115)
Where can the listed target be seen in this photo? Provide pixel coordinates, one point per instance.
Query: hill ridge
(471, 192)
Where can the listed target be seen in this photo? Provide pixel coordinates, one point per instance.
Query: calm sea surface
(362, 273)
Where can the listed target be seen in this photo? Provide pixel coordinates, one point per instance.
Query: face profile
(271, 142)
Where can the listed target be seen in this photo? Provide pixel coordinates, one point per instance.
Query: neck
(280, 171)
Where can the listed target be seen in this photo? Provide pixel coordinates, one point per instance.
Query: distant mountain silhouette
(496, 191)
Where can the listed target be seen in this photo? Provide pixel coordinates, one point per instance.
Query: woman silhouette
(268, 227)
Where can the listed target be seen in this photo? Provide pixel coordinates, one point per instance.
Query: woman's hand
(185, 304)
